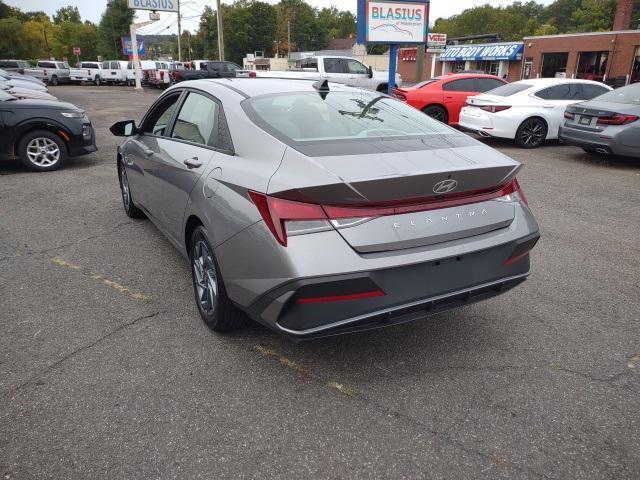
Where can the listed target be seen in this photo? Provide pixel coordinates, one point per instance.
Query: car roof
(453, 76)
(251, 87)
(546, 82)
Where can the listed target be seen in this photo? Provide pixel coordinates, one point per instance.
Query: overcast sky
(92, 9)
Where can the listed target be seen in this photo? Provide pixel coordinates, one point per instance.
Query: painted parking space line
(118, 287)
(302, 369)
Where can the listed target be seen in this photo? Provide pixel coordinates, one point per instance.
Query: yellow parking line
(105, 281)
(297, 367)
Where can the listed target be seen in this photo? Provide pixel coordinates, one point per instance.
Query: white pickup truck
(88, 72)
(347, 70)
(50, 71)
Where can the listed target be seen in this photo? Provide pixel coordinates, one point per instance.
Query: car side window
(590, 90)
(462, 85)
(158, 119)
(565, 91)
(197, 121)
(333, 65)
(355, 67)
(486, 84)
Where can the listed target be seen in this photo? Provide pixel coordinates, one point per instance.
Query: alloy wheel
(206, 279)
(43, 152)
(532, 133)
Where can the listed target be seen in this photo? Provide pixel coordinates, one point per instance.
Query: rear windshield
(629, 95)
(306, 117)
(89, 65)
(509, 89)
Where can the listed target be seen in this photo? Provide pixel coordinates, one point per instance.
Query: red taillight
(494, 108)
(44, 72)
(161, 75)
(176, 75)
(569, 115)
(280, 214)
(341, 298)
(398, 94)
(616, 119)
(252, 75)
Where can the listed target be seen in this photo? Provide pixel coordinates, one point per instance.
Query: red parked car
(443, 97)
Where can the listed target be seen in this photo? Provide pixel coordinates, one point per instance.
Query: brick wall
(620, 45)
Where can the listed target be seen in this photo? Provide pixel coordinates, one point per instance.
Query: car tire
(42, 151)
(131, 83)
(531, 133)
(97, 81)
(54, 80)
(216, 309)
(127, 199)
(437, 113)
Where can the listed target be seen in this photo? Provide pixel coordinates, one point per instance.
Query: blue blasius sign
(393, 23)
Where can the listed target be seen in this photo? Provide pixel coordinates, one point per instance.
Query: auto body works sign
(508, 51)
(396, 22)
(158, 5)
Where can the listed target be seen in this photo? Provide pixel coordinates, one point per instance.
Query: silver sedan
(319, 209)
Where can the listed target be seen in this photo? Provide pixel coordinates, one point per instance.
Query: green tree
(114, 23)
(67, 14)
(594, 15)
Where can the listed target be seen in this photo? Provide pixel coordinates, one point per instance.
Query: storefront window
(458, 66)
(635, 72)
(554, 65)
(486, 66)
(592, 65)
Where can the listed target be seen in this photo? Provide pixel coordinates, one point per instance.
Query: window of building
(554, 65)
(635, 71)
(592, 65)
(488, 66)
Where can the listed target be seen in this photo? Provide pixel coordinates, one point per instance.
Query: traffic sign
(76, 50)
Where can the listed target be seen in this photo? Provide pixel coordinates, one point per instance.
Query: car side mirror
(124, 128)
(370, 72)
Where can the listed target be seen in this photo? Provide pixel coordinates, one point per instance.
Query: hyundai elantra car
(528, 111)
(319, 209)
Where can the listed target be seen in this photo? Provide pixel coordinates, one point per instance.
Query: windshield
(509, 89)
(306, 116)
(629, 95)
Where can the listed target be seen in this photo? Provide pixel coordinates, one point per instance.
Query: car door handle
(547, 105)
(148, 152)
(193, 162)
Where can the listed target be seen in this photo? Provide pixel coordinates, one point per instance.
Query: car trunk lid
(394, 200)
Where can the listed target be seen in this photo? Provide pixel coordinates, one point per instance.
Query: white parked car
(25, 93)
(88, 72)
(528, 111)
(50, 72)
(114, 71)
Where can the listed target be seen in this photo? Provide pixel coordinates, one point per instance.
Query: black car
(211, 69)
(43, 133)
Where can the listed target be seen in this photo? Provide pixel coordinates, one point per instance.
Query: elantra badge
(445, 186)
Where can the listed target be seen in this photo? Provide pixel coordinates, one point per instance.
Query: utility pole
(179, 34)
(134, 50)
(288, 38)
(46, 42)
(189, 39)
(220, 34)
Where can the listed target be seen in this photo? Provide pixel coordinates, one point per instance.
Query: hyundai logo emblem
(445, 186)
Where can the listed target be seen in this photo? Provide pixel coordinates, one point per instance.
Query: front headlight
(78, 114)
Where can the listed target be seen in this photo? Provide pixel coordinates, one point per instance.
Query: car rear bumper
(598, 141)
(487, 125)
(318, 285)
(318, 307)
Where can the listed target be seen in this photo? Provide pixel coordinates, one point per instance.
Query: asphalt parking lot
(107, 371)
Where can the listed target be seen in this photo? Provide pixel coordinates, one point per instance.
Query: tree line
(290, 25)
